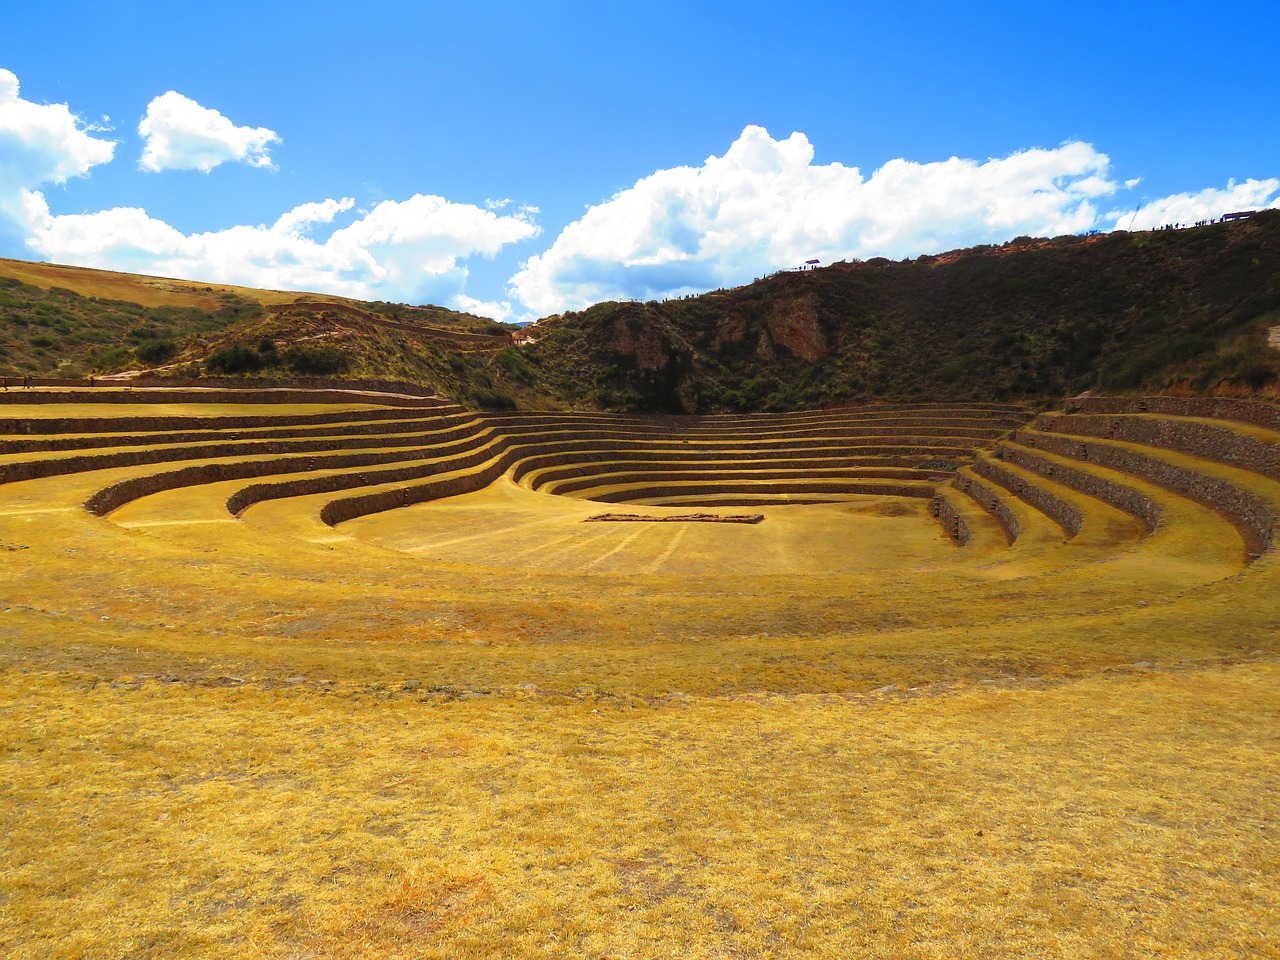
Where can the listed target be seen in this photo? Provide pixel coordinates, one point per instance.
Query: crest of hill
(1181, 311)
(1170, 311)
(71, 322)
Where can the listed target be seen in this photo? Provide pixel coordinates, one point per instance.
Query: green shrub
(235, 359)
(492, 399)
(145, 332)
(156, 351)
(510, 359)
(111, 358)
(315, 361)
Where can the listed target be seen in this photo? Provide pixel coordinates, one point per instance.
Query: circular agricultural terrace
(1168, 495)
(373, 646)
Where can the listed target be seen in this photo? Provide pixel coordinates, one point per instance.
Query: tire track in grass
(643, 529)
(669, 552)
(422, 548)
(543, 553)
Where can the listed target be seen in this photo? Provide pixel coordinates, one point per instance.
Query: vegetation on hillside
(205, 331)
(1034, 319)
(309, 340)
(1184, 310)
(59, 332)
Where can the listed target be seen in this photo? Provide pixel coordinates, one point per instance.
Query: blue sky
(519, 159)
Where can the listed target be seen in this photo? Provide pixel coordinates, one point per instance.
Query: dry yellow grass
(134, 288)
(1125, 817)
(482, 728)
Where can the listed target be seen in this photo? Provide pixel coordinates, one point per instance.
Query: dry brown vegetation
(133, 288)
(478, 726)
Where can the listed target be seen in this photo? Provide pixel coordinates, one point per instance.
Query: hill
(72, 322)
(1173, 311)
(1181, 311)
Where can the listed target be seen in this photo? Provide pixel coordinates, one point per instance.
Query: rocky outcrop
(794, 326)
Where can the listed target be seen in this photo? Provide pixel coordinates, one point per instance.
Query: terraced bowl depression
(872, 515)
(855, 490)
(507, 489)
(370, 644)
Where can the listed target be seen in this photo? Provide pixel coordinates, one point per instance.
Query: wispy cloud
(180, 134)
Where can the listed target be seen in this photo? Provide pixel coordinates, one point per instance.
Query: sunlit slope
(71, 324)
(133, 288)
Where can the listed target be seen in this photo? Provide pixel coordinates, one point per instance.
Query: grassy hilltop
(1165, 311)
(74, 322)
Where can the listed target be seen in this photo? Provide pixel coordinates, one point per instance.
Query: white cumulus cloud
(412, 250)
(180, 134)
(494, 309)
(40, 144)
(765, 205)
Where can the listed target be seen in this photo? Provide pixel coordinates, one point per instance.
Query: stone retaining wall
(721, 423)
(229, 383)
(255, 395)
(1011, 409)
(1064, 514)
(712, 478)
(387, 428)
(661, 445)
(977, 431)
(1119, 495)
(798, 489)
(565, 465)
(1259, 412)
(87, 425)
(59, 466)
(348, 508)
(1199, 439)
(125, 491)
(1253, 513)
(304, 383)
(950, 519)
(992, 502)
(246, 497)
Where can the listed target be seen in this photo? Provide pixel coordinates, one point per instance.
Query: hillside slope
(73, 322)
(1184, 310)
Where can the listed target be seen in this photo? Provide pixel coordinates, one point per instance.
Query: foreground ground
(478, 727)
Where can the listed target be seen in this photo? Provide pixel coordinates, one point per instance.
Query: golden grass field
(147, 291)
(478, 727)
